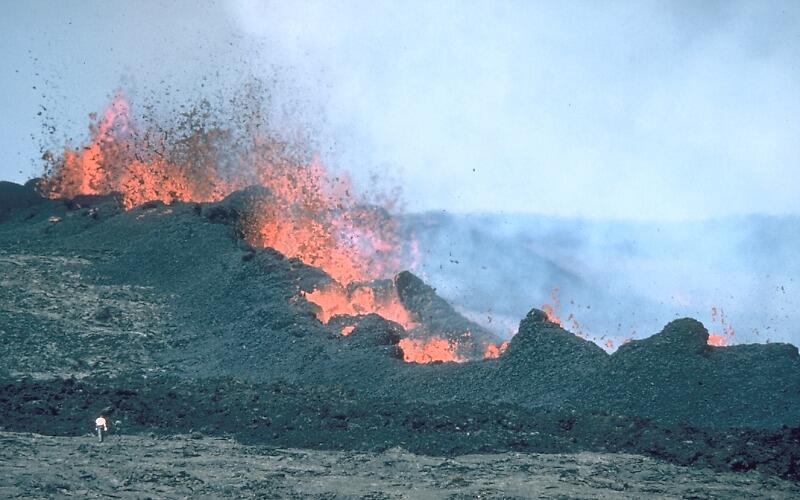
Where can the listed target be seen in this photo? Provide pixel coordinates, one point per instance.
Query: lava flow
(430, 350)
(493, 351)
(334, 300)
(305, 212)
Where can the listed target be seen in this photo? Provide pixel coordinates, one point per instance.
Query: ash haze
(635, 110)
(642, 156)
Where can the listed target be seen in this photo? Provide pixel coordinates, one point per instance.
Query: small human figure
(101, 426)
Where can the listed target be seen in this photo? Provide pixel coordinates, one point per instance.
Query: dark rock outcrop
(543, 341)
(684, 336)
(434, 313)
(374, 331)
(232, 208)
(14, 196)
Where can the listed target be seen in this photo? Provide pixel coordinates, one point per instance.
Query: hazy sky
(625, 109)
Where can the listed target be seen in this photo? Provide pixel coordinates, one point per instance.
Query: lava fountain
(308, 213)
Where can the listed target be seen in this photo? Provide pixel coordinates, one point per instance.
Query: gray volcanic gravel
(36, 466)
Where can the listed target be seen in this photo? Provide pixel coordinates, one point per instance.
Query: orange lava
(430, 350)
(305, 212)
(114, 162)
(347, 330)
(312, 216)
(334, 300)
(550, 309)
(716, 340)
(309, 214)
(723, 337)
(493, 351)
(550, 312)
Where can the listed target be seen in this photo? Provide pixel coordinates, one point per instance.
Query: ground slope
(162, 312)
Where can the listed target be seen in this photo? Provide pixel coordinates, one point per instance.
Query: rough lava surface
(163, 318)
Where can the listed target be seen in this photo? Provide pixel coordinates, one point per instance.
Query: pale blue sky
(613, 109)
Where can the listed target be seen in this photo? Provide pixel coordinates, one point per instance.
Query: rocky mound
(434, 314)
(677, 373)
(13, 196)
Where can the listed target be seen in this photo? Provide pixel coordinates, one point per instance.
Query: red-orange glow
(550, 312)
(81, 172)
(493, 351)
(439, 349)
(305, 212)
(334, 300)
(309, 214)
(112, 163)
(723, 337)
(347, 330)
(550, 309)
(430, 350)
(716, 340)
(312, 215)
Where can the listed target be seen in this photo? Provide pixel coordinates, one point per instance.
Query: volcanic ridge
(170, 318)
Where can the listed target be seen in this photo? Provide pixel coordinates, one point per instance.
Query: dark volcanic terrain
(164, 319)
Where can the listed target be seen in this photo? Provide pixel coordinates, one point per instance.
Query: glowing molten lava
(116, 162)
(308, 213)
(493, 351)
(550, 312)
(430, 350)
(720, 338)
(716, 340)
(313, 217)
(334, 300)
(304, 211)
